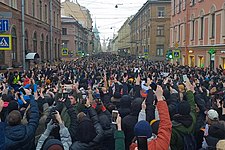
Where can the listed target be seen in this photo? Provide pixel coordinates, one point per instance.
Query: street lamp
(117, 5)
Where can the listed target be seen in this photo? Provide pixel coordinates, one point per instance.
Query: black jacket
(91, 113)
(21, 137)
(216, 133)
(130, 120)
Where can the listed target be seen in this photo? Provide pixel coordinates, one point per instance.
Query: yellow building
(82, 15)
(124, 38)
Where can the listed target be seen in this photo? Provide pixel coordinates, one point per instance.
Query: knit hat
(184, 108)
(143, 128)
(212, 114)
(53, 144)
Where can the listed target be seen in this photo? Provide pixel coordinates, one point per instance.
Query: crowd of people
(73, 106)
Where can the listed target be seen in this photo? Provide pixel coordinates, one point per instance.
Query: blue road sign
(5, 42)
(4, 25)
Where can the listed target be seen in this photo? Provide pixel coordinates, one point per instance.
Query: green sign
(212, 51)
(169, 54)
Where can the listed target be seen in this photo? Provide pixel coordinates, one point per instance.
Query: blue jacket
(21, 137)
(2, 137)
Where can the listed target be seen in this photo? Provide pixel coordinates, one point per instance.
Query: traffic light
(169, 55)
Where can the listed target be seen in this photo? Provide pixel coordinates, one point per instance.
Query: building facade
(124, 37)
(82, 15)
(115, 44)
(196, 29)
(74, 38)
(150, 30)
(37, 28)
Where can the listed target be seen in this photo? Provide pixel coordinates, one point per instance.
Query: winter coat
(186, 127)
(108, 142)
(216, 133)
(125, 104)
(21, 137)
(162, 142)
(2, 137)
(130, 120)
(98, 130)
(119, 140)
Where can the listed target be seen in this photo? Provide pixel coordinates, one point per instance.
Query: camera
(53, 112)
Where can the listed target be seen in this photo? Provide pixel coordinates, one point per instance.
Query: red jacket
(162, 142)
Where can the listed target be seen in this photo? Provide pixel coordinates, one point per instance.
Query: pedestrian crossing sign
(5, 42)
(65, 52)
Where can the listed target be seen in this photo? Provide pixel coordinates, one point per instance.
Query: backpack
(189, 141)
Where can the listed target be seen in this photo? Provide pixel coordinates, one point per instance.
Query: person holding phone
(143, 130)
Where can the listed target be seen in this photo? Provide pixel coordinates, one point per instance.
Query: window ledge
(212, 38)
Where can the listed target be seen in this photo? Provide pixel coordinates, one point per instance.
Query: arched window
(192, 27)
(46, 48)
(56, 53)
(201, 25)
(26, 42)
(40, 7)
(35, 42)
(212, 21)
(42, 48)
(14, 44)
(58, 50)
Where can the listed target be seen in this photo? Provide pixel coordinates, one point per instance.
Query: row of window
(37, 6)
(179, 5)
(146, 17)
(45, 52)
(201, 26)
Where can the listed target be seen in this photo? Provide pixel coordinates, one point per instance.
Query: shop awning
(32, 56)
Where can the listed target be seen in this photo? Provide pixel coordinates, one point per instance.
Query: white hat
(213, 115)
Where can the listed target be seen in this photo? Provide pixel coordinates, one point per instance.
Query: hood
(125, 101)
(186, 120)
(86, 131)
(15, 133)
(104, 121)
(136, 106)
(217, 130)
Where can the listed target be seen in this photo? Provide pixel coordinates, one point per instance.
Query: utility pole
(187, 33)
(51, 32)
(23, 36)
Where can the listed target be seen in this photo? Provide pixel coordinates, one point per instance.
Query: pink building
(204, 30)
(37, 30)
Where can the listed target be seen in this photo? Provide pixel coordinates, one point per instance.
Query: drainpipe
(51, 32)
(23, 36)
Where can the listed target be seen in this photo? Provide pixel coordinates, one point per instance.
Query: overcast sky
(108, 18)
